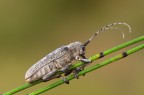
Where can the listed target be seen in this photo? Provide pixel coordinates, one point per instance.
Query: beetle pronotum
(61, 58)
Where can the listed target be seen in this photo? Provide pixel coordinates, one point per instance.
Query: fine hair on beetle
(61, 59)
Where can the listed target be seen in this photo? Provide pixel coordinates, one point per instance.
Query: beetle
(61, 59)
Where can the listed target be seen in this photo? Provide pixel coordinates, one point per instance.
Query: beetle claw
(77, 70)
(65, 80)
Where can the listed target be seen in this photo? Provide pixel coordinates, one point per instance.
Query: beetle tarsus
(65, 80)
(101, 55)
(75, 72)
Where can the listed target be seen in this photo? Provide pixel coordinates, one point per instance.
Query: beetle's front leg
(83, 59)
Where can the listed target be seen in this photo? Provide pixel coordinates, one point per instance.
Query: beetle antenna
(109, 26)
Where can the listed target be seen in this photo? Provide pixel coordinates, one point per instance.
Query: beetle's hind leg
(49, 76)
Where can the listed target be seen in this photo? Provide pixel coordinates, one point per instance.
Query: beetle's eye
(83, 48)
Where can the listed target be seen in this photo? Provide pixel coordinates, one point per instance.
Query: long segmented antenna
(109, 26)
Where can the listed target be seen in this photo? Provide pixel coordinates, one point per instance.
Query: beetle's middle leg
(66, 72)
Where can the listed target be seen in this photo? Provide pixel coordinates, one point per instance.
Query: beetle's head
(77, 48)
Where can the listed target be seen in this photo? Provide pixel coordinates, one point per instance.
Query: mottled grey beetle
(61, 58)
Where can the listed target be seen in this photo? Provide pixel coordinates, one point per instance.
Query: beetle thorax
(75, 47)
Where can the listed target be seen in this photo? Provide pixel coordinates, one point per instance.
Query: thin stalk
(113, 59)
(95, 57)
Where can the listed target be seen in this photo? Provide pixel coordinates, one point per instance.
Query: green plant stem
(113, 59)
(95, 57)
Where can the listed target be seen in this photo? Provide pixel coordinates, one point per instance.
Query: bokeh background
(31, 29)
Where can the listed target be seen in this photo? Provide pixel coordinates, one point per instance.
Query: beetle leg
(68, 72)
(83, 59)
(56, 76)
(65, 80)
(65, 69)
(76, 71)
(49, 75)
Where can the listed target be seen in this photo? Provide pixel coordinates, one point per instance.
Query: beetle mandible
(61, 58)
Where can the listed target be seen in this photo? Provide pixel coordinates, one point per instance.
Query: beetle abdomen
(40, 73)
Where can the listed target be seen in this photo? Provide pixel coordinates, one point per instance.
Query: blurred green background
(31, 29)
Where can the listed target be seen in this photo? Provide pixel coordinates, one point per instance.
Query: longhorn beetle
(61, 58)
